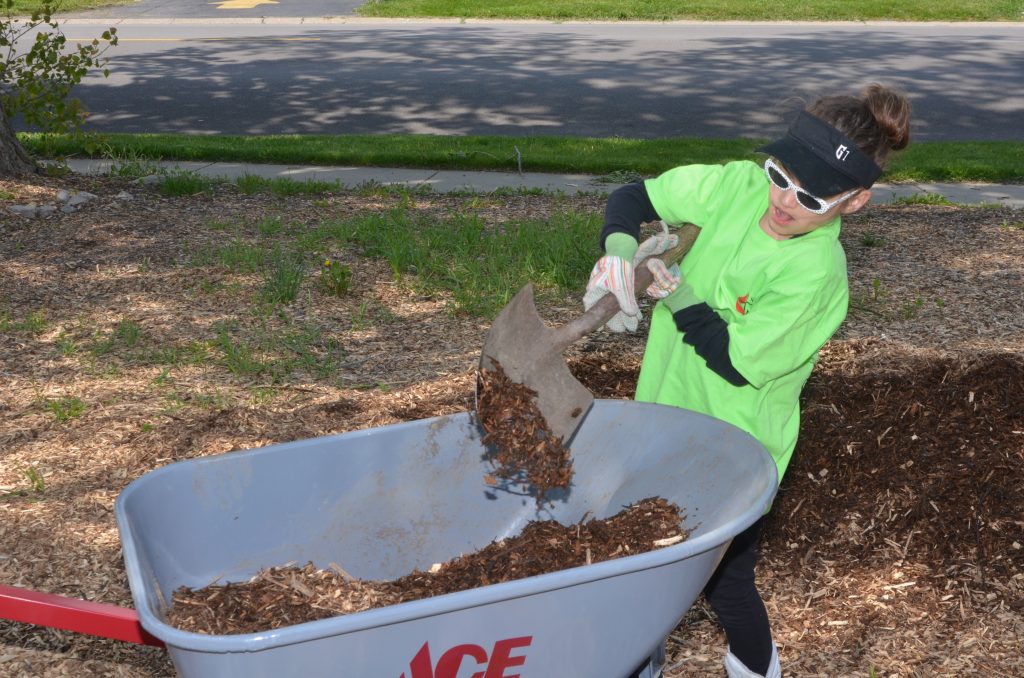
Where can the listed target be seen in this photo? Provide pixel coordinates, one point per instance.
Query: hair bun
(892, 113)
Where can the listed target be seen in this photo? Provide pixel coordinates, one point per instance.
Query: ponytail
(878, 121)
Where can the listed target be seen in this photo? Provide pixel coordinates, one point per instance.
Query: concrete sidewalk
(444, 181)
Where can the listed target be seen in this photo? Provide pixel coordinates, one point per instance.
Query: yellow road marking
(242, 4)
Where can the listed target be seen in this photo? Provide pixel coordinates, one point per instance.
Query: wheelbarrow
(385, 501)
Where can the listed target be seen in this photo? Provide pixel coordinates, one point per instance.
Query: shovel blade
(530, 354)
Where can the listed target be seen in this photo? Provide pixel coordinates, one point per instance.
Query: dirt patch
(903, 557)
(278, 597)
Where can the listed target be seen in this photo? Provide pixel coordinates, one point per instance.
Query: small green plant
(1008, 225)
(238, 357)
(288, 187)
(911, 308)
(282, 285)
(621, 177)
(185, 182)
(66, 346)
(36, 484)
(872, 301)
(370, 312)
(877, 293)
(174, 404)
(284, 187)
(164, 378)
(250, 184)
(129, 163)
(270, 226)
(241, 257)
(192, 353)
(924, 199)
(261, 395)
(335, 277)
(224, 225)
(871, 240)
(6, 195)
(33, 323)
(237, 256)
(211, 401)
(66, 408)
(126, 334)
(210, 286)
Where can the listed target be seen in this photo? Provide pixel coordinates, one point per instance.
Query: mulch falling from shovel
(523, 446)
(283, 596)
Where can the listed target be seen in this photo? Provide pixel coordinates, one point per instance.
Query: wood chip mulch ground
(896, 543)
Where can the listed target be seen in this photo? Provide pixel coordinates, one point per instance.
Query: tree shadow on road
(457, 80)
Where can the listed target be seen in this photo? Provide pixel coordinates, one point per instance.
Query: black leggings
(734, 598)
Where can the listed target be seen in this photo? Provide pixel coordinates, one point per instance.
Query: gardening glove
(614, 273)
(670, 286)
(625, 247)
(652, 247)
(666, 278)
(656, 244)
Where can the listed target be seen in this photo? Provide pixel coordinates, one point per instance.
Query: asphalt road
(202, 76)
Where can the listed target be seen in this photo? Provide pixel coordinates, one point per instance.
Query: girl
(741, 320)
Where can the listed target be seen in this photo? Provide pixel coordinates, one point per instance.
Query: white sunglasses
(809, 202)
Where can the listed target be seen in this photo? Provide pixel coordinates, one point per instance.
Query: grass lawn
(617, 158)
(704, 10)
(26, 7)
(661, 10)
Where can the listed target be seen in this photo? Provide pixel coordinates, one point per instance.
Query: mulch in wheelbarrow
(282, 596)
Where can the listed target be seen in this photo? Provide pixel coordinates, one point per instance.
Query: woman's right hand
(614, 274)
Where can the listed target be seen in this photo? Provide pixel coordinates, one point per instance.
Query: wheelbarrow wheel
(652, 666)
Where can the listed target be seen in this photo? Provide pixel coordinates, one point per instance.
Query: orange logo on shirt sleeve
(741, 304)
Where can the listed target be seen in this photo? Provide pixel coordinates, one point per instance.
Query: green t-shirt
(781, 300)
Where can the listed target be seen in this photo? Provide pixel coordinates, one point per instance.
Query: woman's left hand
(666, 278)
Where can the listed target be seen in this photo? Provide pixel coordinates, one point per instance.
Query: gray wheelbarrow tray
(385, 501)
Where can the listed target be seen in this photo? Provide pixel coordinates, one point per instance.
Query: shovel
(530, 352)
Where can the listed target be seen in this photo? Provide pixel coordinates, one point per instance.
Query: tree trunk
(14, 161)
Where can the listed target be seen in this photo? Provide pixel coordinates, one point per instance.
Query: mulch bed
(894, 546)
(283, 596)
(929, 454)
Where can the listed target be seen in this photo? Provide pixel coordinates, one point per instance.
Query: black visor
(823, 159)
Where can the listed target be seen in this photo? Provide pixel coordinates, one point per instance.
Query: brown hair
(878, 121)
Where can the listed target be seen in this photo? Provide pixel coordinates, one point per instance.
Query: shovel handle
(607, 306)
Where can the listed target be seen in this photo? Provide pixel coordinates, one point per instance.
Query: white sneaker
(734, 668)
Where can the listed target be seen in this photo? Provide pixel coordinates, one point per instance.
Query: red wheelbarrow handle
(74, 614)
